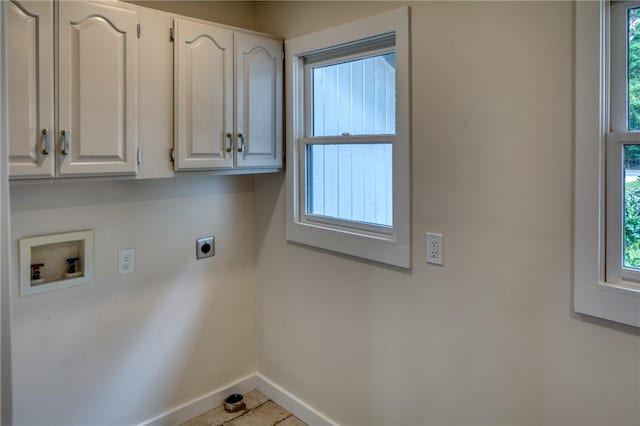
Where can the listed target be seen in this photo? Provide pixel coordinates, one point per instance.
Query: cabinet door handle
(240, 142)
(65, 142)
(45, 141)
(229, 147)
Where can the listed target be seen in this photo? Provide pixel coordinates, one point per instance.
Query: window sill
(615, 302)
(370, 247)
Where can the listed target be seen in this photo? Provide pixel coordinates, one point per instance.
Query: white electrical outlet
(126, 261)
(434, 248)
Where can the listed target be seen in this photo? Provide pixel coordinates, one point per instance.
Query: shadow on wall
(134, 346)
(269, 190)
(151, 368)
(605, 323)
(57, 194)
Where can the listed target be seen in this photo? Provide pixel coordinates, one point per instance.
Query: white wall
(490, 338)
(127, 348)
(235, 12)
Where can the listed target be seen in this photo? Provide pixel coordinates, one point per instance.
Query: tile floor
(261, 411)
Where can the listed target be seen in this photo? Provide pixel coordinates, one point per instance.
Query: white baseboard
(271, 390)
(291, 403)
(200, 405)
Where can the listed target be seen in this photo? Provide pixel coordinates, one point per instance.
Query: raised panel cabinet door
(203, 79)
(258, 101)
(30, 88)
(98, 89)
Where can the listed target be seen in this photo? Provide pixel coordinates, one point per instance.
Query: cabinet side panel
(155, 92)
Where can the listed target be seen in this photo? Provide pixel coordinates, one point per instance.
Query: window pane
(632, 206)
(350, 182)
(633, 57)
(356, 97)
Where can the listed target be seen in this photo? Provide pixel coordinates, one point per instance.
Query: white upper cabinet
(258, 101)
(97, 75)
(30, 88)
(98, 78)
(203, 96)
(228, 98)
(93, 85)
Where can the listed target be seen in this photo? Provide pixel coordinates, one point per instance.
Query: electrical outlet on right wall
(126, 261)
(434, 248)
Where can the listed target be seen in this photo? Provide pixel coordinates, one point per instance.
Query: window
(348, 138)
(607, 161)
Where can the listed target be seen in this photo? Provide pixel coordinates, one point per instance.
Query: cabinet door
(98, 77)
(30, 87)
(258, 101)
(203, 96)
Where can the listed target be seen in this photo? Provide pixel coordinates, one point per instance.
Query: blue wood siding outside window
(345, 180)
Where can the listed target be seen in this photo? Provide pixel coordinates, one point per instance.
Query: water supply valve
(73, 267)
(36, 278)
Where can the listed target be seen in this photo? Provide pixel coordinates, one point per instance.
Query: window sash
(615, 271)
(308, 81)
(618, 120)
(371, 229)
(354, 48)
(618, 65)
(352, 56)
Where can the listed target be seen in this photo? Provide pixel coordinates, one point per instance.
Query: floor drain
(234, 403)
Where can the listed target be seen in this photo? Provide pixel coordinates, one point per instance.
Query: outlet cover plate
(205, 247)
(434, 248)
(126, 261)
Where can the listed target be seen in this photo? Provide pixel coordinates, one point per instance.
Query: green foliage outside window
(634, 68)
(632, 152)
(632, 224)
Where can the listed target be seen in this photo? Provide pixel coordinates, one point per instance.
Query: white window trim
(593, 295)
(393, 248)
